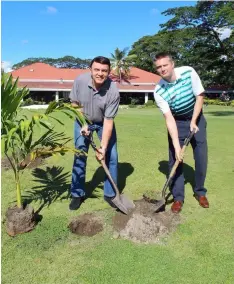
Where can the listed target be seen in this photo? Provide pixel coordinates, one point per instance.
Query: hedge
(218, 102)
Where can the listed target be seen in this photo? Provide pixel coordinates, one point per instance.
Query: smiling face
(99, 73)
(165, 68)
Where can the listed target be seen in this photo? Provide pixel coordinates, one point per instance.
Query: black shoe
(109, 201)
(76, 202)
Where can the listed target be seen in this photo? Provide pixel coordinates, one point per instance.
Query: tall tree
(121, 62)
(196, 37)
(209, 21)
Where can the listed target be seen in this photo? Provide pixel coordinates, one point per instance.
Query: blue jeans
(79, 165)
(199, 145)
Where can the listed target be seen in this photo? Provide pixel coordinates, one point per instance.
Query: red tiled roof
(46, 72)
(42, 71)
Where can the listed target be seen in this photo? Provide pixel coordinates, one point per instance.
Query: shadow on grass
(124, 170)
(188, 175)
(55, 185)
(221, 113)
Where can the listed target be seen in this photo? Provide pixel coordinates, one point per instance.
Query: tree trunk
(18, 191)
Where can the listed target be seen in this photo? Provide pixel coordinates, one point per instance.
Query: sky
(80, 29)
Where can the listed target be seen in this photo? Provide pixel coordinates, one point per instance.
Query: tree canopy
(120, 63)
(63, 62)
(200, 36)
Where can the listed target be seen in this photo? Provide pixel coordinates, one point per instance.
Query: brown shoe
(177, 206)
(203, 201)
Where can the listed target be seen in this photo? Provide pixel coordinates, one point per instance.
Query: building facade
(47, 83)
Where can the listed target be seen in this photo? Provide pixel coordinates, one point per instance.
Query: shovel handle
(186, 142)
(110, 177)
(176, 164)
(104, 166)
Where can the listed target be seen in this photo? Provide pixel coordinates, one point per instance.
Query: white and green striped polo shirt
(180, 95)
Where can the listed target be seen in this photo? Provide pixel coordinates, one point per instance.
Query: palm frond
(68, 110)
(11, 96)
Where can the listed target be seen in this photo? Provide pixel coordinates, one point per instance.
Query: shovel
(120, 200)
(161, 203)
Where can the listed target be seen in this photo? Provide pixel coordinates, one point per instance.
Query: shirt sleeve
(74, 91)
(161, 103)
(112, 106)
(196, 83)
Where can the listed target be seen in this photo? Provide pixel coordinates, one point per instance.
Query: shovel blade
(160, 205)
(127, 202)
(123, 203)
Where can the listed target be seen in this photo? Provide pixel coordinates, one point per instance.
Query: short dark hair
(101, 60)
(162, 55)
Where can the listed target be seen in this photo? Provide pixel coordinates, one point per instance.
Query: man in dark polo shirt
(99, 97)
(179, 95)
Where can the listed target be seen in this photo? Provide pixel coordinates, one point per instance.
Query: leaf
(56, 119)
(22, 126)
(32, 156)
(52, 106)
(35, 119)
(28, 143)
(10, 135)
(11, 96)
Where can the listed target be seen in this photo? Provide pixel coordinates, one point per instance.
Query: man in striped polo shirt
(179, 95)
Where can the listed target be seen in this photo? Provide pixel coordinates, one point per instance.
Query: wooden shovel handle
(186, 142)
(177, 162)
(90, 138)
(110, 177)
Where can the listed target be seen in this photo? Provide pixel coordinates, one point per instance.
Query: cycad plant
(21, 143)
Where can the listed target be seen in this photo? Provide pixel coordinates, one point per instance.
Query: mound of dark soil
(86, 225)
(20, 220)
(143, 224)
(35, 164)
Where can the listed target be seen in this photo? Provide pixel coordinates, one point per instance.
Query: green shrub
(27, 102)
(225, 103)
(132, 106)
(210, 101)
(150, 103)
(135, 101)
(217, 102)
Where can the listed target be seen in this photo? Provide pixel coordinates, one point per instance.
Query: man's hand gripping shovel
(160, 204)
(124, 204)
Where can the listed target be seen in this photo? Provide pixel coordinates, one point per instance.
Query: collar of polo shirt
(178, 78)
(103, 87)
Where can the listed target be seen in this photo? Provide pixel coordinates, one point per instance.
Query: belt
(182, 118)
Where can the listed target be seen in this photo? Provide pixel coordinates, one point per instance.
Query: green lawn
(201, 250)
